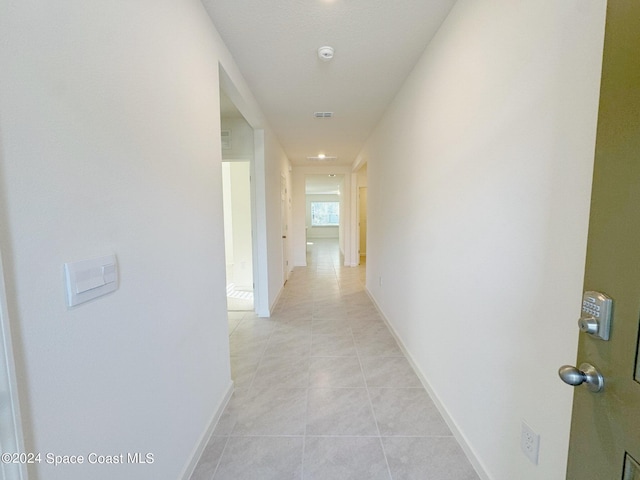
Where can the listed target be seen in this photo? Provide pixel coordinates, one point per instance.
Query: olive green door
(605, 427)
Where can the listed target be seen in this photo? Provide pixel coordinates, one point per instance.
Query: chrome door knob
(587, 373)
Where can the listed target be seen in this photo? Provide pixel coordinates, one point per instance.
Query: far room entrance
(324, 211)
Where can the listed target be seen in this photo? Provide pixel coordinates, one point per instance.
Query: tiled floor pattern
(322, 392)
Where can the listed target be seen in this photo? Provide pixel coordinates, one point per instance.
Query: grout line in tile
(375, 417)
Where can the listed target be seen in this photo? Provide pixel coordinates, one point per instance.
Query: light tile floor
(323, 392)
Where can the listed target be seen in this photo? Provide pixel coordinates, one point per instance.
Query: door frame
(11, 422)
(258, 195)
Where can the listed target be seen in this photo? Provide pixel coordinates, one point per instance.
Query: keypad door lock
(596, 315)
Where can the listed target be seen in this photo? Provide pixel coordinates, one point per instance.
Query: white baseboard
(459, 436)
(206, 435)
(275, 302)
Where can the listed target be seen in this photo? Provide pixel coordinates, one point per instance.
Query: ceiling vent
(323, 114)
(322, 159)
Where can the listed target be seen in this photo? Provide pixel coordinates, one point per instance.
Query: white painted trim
(275, 302)
(10, 471)
(238, 158)
(458, 435)
(206, 435)
(260, 249)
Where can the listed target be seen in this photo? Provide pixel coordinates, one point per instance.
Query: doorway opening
(325, 212)
(237, 156)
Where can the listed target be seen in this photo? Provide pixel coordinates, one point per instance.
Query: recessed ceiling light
(332, 175)
(322, 156)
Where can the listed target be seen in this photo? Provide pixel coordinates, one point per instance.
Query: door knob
(587, 373)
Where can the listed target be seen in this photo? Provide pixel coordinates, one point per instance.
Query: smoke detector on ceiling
(325, 53)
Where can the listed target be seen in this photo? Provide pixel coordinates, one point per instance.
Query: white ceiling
(275, 43)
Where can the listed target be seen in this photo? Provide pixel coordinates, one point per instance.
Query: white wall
(228, 219)
(241, 205)
(241, 133)
(479, 185)
(110, 114)
(237, 211)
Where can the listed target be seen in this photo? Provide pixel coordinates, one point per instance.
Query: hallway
(322, 391)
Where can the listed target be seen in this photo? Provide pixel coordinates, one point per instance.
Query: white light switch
(89, 279)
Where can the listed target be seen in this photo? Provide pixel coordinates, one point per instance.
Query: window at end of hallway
(325, 214)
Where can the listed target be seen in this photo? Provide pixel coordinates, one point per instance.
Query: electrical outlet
(530, 443)
(380, 281)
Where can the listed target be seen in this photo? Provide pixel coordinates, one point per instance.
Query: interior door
(363, 220)
(284, 225)
(605, 427)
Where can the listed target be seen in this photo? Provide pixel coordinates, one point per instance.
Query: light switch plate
(89, 279)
